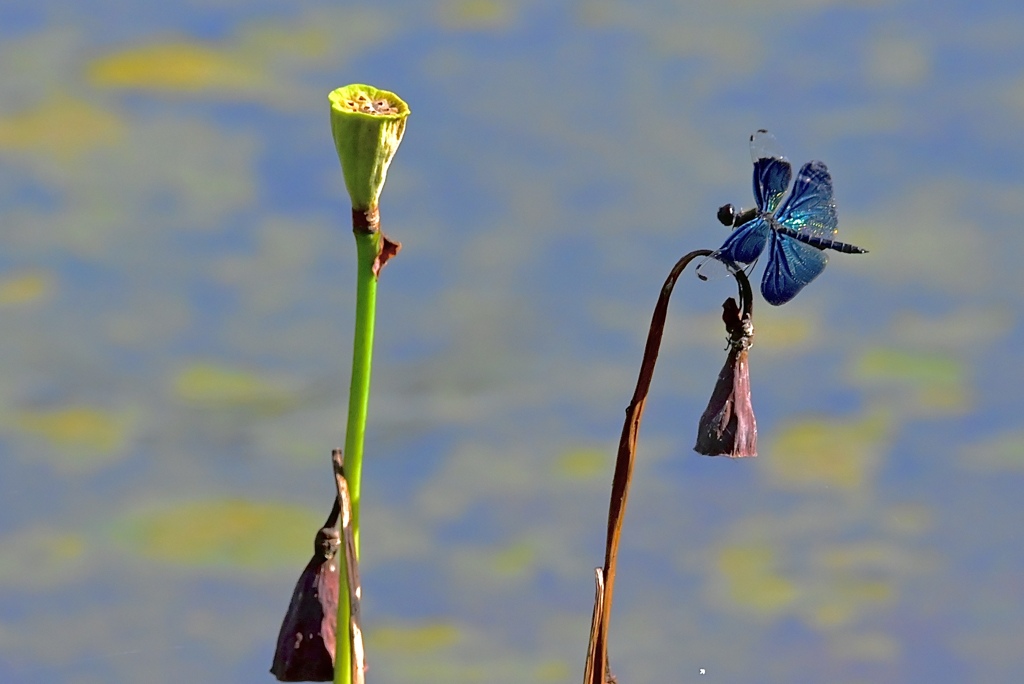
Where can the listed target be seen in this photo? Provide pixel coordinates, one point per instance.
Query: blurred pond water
(176, 283)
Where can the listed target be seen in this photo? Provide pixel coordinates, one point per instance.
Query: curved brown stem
(597, 659)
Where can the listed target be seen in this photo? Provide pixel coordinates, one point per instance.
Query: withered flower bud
(305, 645)
(728, 427)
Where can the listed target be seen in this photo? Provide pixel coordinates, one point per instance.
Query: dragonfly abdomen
(819, 242)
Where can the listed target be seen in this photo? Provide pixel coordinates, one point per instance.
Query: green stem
(367, 249)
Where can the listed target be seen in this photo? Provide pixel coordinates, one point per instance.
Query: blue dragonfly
(795, 233)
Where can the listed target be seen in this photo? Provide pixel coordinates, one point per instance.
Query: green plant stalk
(367, 125)
(367, 249)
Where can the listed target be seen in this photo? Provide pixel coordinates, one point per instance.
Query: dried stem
(595, 623)
(597, 671)
(355, 643)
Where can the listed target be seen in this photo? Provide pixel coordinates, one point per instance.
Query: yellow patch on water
(421, 637)
(907, 519)
(213, 384)
(753, 581)
(552, 671)
(1000, 452)
(961, 329)
(898, 61)
(787, 334)
(63, 127)
(515, 560)
(927, 382)
(475, 14)
(909, 367)
(223, 533)
(473, 662)
(174, 67)
(26, 288)
(76, 428)
(583, 463)
(40, 557)
(812, 454)
(848, 599)
(263, 40)
(864, 556)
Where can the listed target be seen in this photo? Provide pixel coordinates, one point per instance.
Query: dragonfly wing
(746, 243)
(771, 178)
(764, 145)
(811, 207)
(772, 172)
(791, 265)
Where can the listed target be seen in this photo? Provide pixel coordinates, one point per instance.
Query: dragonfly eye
(727, 215)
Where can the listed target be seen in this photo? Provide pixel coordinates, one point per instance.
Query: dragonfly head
(727, 215)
